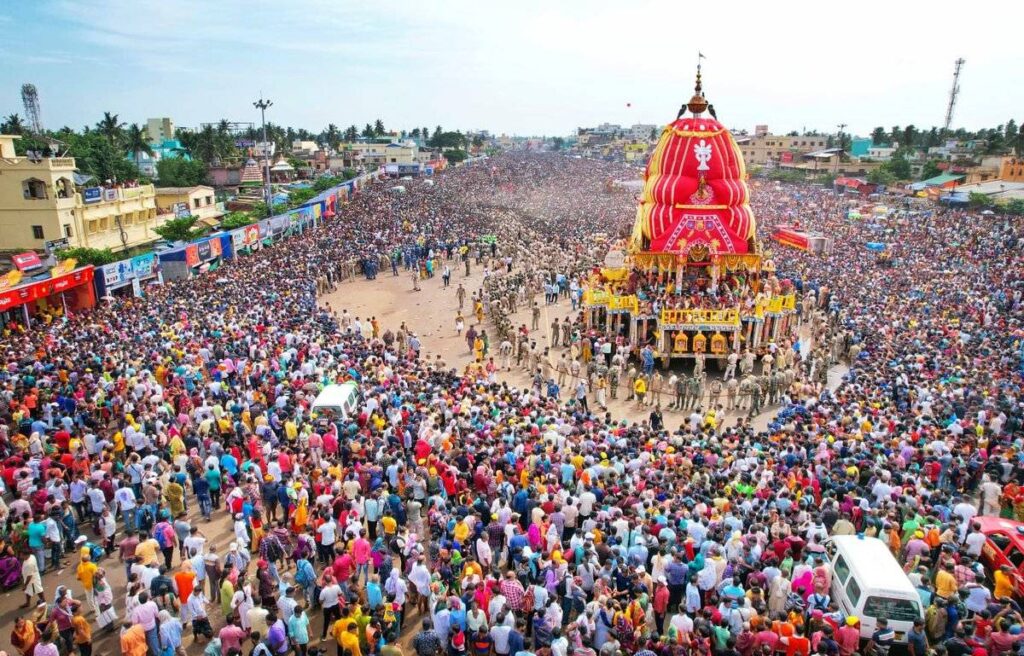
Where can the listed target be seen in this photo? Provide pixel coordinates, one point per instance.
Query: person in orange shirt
(797, 644)
(133, 640)
(185, 581)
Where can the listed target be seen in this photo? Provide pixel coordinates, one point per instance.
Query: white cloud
(535, 66)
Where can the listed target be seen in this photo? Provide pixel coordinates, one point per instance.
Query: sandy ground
(431, 313)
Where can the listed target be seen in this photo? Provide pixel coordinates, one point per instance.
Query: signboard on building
(182, 211)
(56, 244)
(25, 261)
(109, 194)
(144, 266)
(92, 195)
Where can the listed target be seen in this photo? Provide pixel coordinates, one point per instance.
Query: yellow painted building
(39, 202)
(200, 200)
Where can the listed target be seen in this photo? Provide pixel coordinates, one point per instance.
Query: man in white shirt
(124, 496)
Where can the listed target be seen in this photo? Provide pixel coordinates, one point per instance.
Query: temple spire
(698, 104)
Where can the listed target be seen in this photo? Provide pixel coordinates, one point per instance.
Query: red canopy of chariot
(695, 196)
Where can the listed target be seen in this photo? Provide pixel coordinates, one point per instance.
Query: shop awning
(26, 261)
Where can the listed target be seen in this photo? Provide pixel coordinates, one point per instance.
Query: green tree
(93, 256)
(882, 176)
(94, 154)
(895, 135)
(378, 128)
(351, 133)
(332, 135)
(899, 166)
(478, 141)
(455, 156)
(425, 133)
(978, 201)
(179, 172)
(300, 196)
(930, 169)
(110, 127)
(909, 136)
(368, 131)
(878, 136)
(437, 132)
(235, 220)
(558, 143)
(136, 142)
(182, 229)
(1015, 206)
(933, 138)
(12, 125)
(1009, 132)
(1018, 141)
(224, 141)
(415, 134)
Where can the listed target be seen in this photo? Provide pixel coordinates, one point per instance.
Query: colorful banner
(109, 195)
(790, 237)
(63, 267)
(192, 255)
(252, 234)
(205, 250)
(144, 266)
(10, 279)
(117, 273)
(216, 248)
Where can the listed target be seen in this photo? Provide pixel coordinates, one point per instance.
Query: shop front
(193, 259)
(128, 277)
(49, 299)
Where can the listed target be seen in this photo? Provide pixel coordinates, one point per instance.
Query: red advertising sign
(215, 247)
(192, 255)
(44, 288)
(27, 260)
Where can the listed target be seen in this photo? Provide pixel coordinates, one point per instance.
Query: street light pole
(841, 126)
(262, 105)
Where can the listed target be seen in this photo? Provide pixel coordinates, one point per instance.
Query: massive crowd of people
(489, 519)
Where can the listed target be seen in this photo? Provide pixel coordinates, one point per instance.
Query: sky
(527, 67)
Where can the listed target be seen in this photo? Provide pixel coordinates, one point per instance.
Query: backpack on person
(164, 535)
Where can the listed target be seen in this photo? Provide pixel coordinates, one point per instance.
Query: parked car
(1004, 546)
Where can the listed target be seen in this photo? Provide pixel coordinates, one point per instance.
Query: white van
(868, 583)
(338, 401)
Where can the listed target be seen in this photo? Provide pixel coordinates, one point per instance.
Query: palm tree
(12, 125)
(225, 143)
(110, 127)
(351, 133)
(378, 128)
(136, 140)
(206, 144)
(332, 135)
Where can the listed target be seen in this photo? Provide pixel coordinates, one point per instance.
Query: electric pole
(262, 105)
(839, 156)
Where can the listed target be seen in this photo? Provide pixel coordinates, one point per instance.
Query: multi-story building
(159, 129)
(42, 200)
(642, 131)
(1012, 169)
(304, 149)
(376, 153)
(764, 149)
(198, 201)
